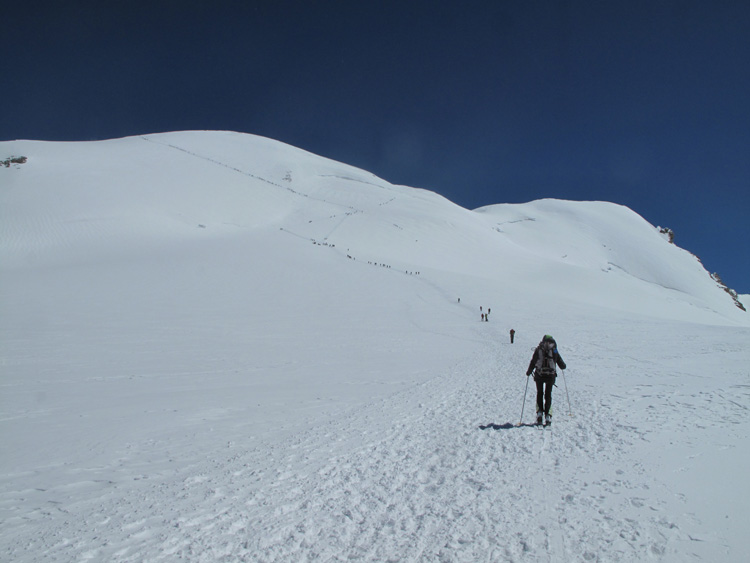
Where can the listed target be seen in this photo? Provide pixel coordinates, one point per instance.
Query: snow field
(215, 347)
(438, 471)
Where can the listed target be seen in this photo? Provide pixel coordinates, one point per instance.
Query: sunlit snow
(217, 347)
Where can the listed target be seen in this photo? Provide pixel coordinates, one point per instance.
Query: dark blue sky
(643, 103)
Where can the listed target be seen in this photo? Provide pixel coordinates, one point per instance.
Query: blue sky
(643, 103)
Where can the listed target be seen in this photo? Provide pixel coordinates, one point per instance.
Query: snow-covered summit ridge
(602, 236)
(84, 202)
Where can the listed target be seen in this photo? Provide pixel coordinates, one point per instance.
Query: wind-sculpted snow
(216, 347)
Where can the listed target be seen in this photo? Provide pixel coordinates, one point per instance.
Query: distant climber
(512, 334)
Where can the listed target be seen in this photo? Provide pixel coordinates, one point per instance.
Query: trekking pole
(570, 412)
(524, 400)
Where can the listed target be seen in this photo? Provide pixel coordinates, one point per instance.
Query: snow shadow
(506, 426)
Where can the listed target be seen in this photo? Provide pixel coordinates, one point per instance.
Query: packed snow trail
(439, 471)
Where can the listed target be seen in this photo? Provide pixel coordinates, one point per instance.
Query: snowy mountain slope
(585, 243)
(93, 198)
(215, 346)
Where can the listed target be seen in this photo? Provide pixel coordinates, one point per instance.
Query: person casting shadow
(543, 363)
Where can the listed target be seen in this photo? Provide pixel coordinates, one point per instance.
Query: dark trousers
(544, 394)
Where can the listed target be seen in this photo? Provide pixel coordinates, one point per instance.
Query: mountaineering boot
(548, 420)
(539, 418)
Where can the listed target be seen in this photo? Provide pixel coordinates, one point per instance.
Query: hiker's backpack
(545, 363)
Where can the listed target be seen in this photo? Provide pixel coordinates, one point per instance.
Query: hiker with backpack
(543, 365)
